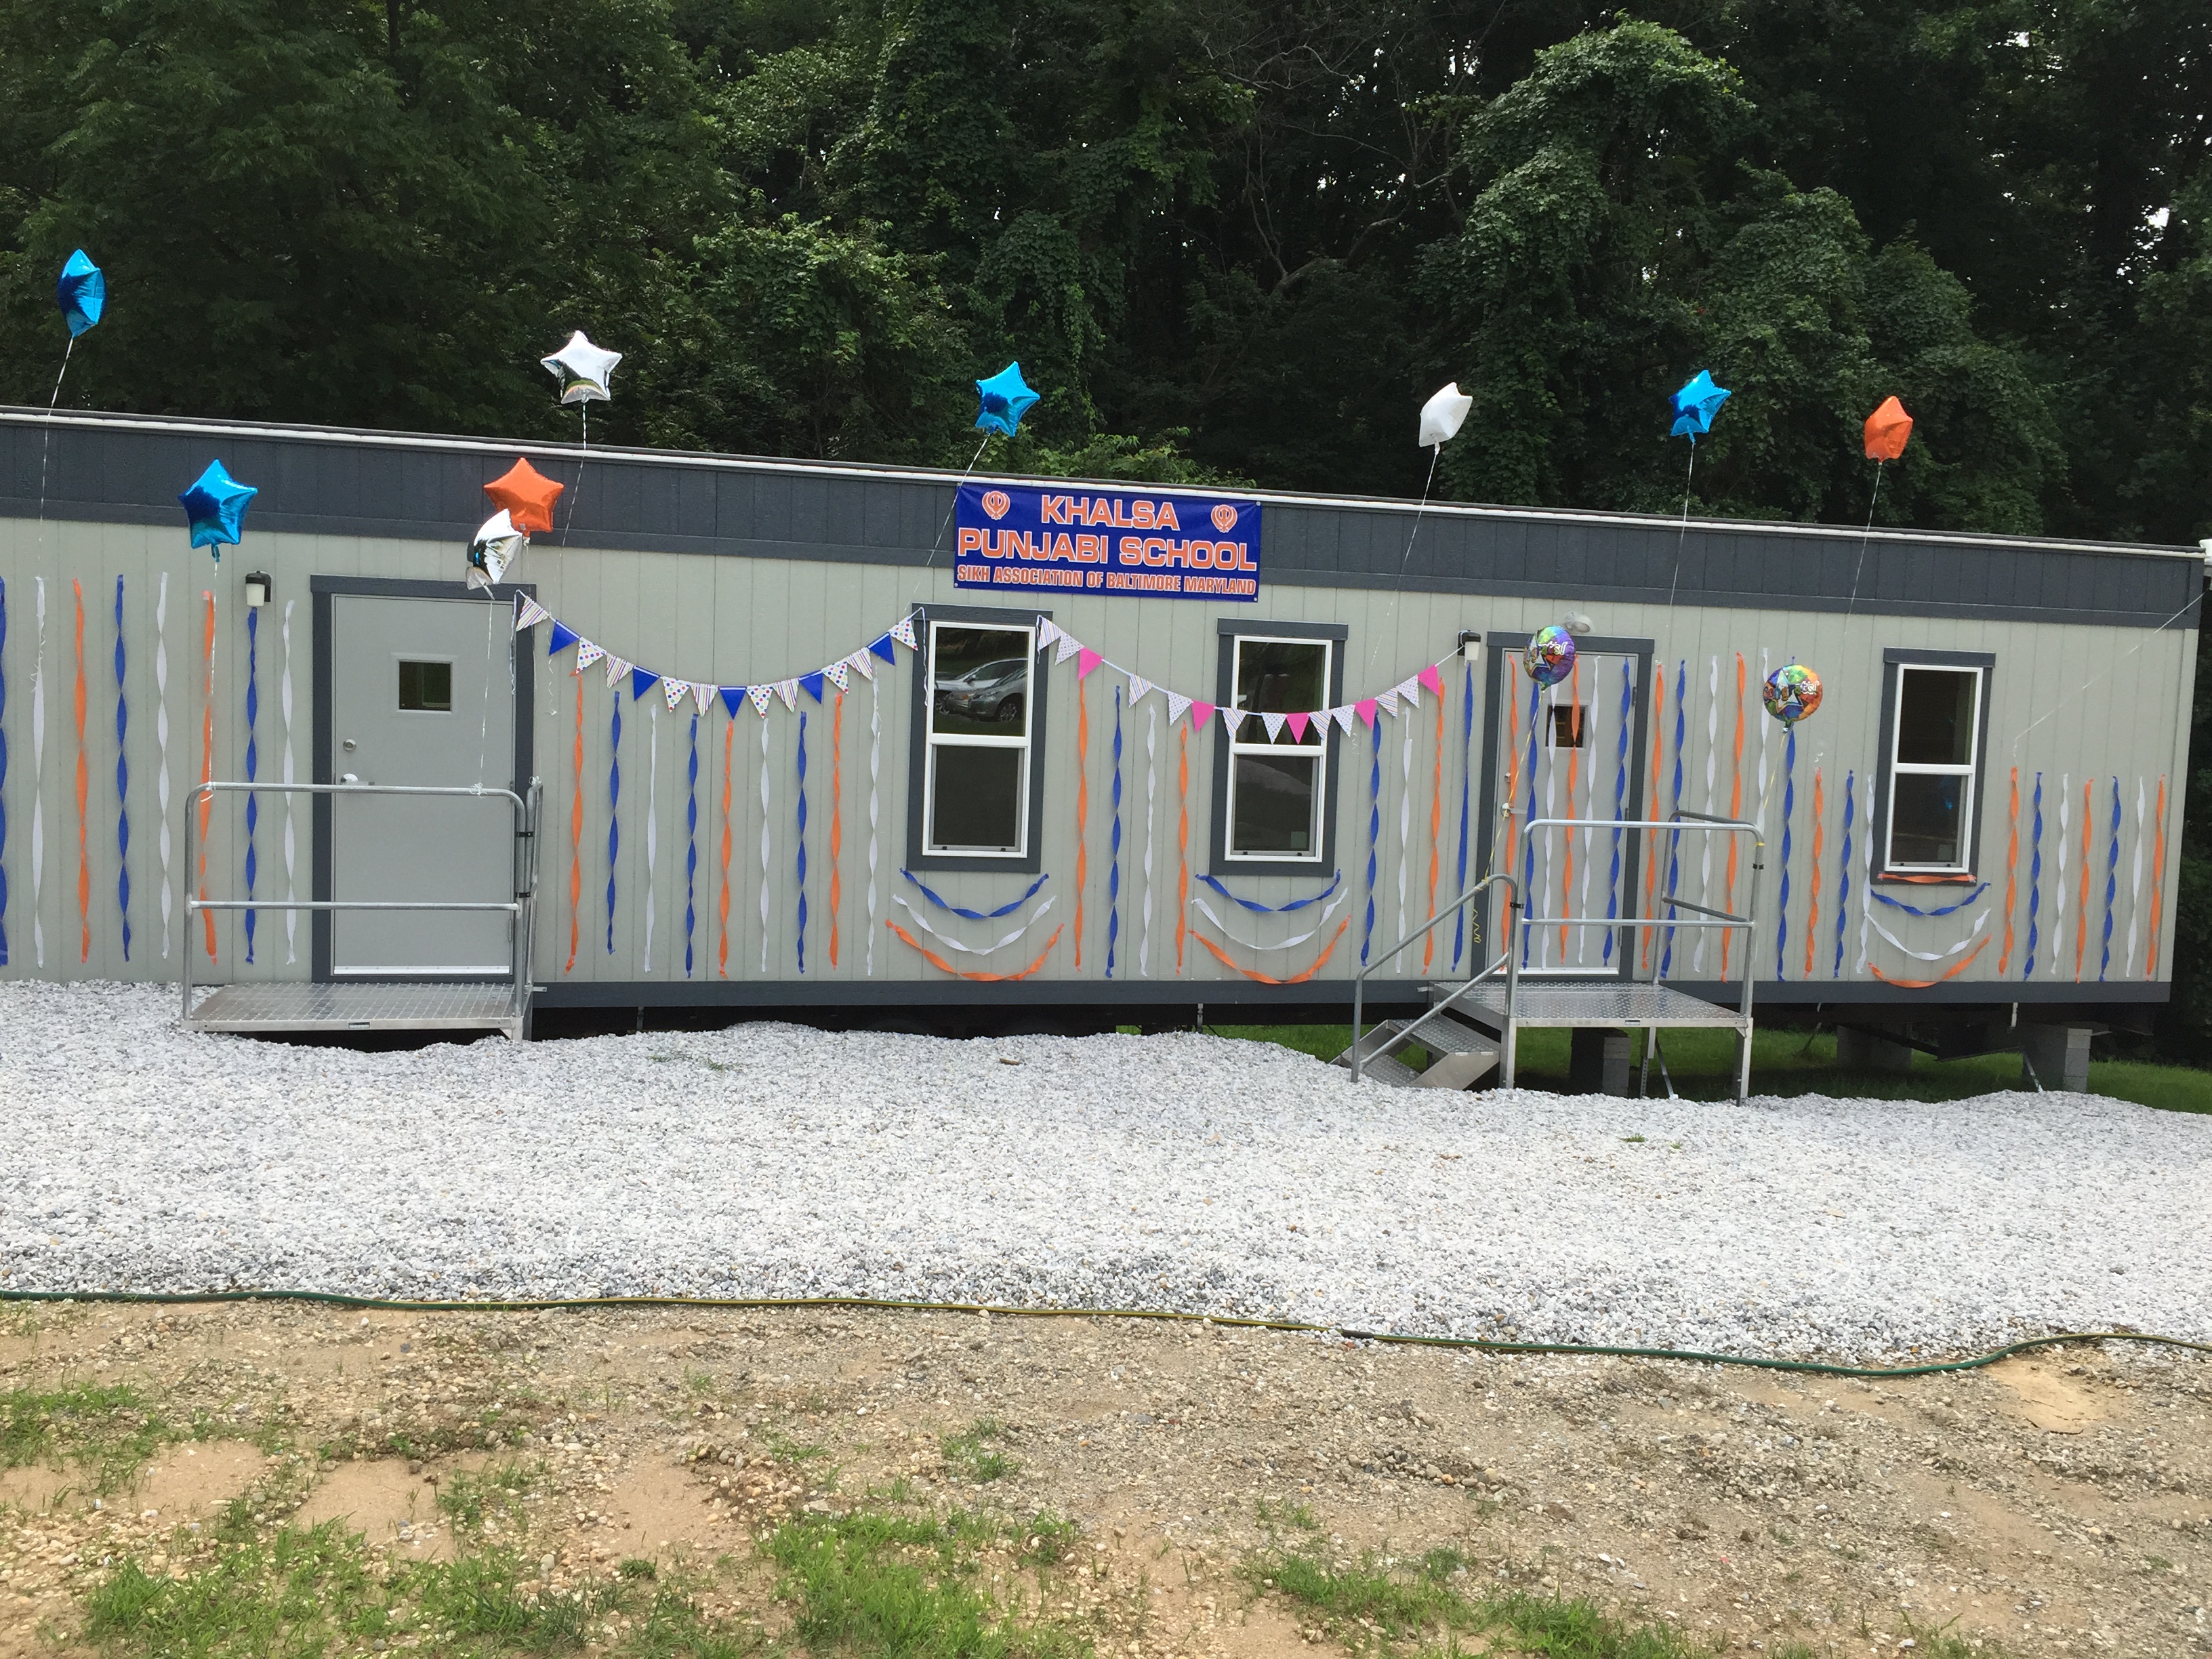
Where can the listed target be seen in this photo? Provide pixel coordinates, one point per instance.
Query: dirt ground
(2057, 1504)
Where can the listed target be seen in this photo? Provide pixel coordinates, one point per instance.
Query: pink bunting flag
(1299, 724)
(1200, 714)
(1085, 660)
(1432, 678)
(1365, 709)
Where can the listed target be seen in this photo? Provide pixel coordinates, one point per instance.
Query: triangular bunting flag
(1231, 719)
(1389, 700)
(759, 696)
(789, 690)
(1140, 688)
(1432, 678)
(811, 685)
(902, 631)
(1085, 660)
(641, 681)
(1365, 709)
(1274, 724)
(1069, 645)
(702, 695)
(837, 674)
(864, 663)
(529, 613)
(616, 669)
(1047, 631)
(560, 638)
(1177, 704)
(586, 655)
(1343, 719)
(1410, 691)
(733, 697)
(1200, 714)
(1299, 724)
(673, 691)
(882, 647)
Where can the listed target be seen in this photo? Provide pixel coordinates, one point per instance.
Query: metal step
(1459, 1055)
(1382, 1068)
(270, 1007)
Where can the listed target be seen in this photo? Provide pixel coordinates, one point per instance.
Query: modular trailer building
(756, 794)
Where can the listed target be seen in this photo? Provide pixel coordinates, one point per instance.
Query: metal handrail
(522, 867)
(1504, 960)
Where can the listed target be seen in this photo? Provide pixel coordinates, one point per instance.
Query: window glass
(981, 683)
(426, 687)
(976, 804)
(1927, 822)
(978, 775)
(1566, 725)
(1282, 676)
(1275, 813)
(1936, 716)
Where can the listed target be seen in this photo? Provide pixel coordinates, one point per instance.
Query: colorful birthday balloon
(1792, 692)
(1550, 655)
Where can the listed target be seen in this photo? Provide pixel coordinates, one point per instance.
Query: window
(980, 717)
(1274, 798)
(1934, 714)
(426, 687)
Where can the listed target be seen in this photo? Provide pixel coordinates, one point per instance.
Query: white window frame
(1969, 800)
(933, 740)
(1317, 745)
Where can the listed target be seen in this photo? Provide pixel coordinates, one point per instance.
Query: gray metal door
(421, 691)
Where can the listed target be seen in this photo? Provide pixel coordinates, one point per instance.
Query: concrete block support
(2060, 1055)
(1864, 1051)
(1597, 1060)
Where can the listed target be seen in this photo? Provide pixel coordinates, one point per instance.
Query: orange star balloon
(1887, 429)
(528, 495)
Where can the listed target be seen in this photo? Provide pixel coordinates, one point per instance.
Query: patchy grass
(974, 1457)
(467, 1496)
(1788, 1062)
(111, 1430)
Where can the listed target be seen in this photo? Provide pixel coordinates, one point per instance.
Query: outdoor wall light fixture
(258, 588)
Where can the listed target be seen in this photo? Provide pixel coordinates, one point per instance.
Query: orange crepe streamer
(1735, 810)
(1182, 839)
(1082, 810)
(936, 961)
(2082, 922)
(1436, 835)
(576, 831)
(207, 762)
(1813, 913)
(2012, 874)
(83, 791)
(1657, 706)
(2157, 880)
(1953, 972)
(836, 815)
(1320, 961)
(1574, 777)
(722, 945)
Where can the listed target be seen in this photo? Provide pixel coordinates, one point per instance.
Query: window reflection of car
(991, 692)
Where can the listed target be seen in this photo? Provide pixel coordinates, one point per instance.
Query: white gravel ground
(1176, 1171)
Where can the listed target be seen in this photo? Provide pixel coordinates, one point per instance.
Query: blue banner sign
(1085, 540)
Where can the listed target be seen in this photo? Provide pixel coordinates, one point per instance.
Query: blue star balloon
(81, 292)
(1695, 405)
(215, 507)
(1006, 398)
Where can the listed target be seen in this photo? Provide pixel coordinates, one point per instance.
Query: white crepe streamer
(1404, 813)
(875, 764)
(1152, 828)
(766, 846)
(2134, 881)
(161, 741)
(291, 841)
(652, 821)
(2058, 928)
(1591, 750)
(1712, 771)
(1972, 933)
(39, 772)
(1222, 927)
(951, 944)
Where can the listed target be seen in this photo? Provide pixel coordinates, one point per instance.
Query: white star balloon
(1441, 416)
(583, 369)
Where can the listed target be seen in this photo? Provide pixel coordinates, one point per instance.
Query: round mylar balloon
(1550, 657)
(1793, 691)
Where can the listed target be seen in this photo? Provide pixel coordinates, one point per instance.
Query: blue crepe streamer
(1272, 910)
(1789, 801)
(1114, 857)
(1528, 841)
(614, 806)
(1674, 841)
(253, 757)
(802, 840)
(691, 848)
(1882, 898)
(2112, 880)
(1619, 805)
(2034, 881)
(1374, 834)
(1843, 880)
(1006, 909)
(3, 775)
(1466, 778)
(123, 779)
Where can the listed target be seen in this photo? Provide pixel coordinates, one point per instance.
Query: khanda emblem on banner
(1224, 517)
(996, 504)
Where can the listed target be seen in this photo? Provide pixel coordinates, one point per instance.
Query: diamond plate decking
(1612, 1004)
(381, 1007)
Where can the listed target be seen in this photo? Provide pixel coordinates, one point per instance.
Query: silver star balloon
(583, 369)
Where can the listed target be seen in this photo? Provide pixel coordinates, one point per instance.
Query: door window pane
(1274, 814)
(1936, 716)
(981, 682)
(1927, 818)
(426, 687)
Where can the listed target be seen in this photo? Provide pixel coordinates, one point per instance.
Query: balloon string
(2107, 672)
(47, 442)
(1682, 535)
(938, 541)
(1405, 562)
(576, 490)
(1865, 535)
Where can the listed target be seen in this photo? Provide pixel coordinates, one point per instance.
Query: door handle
(348, 777)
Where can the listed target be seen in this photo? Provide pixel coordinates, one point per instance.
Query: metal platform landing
(1612, 1004)
(382, 1005)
